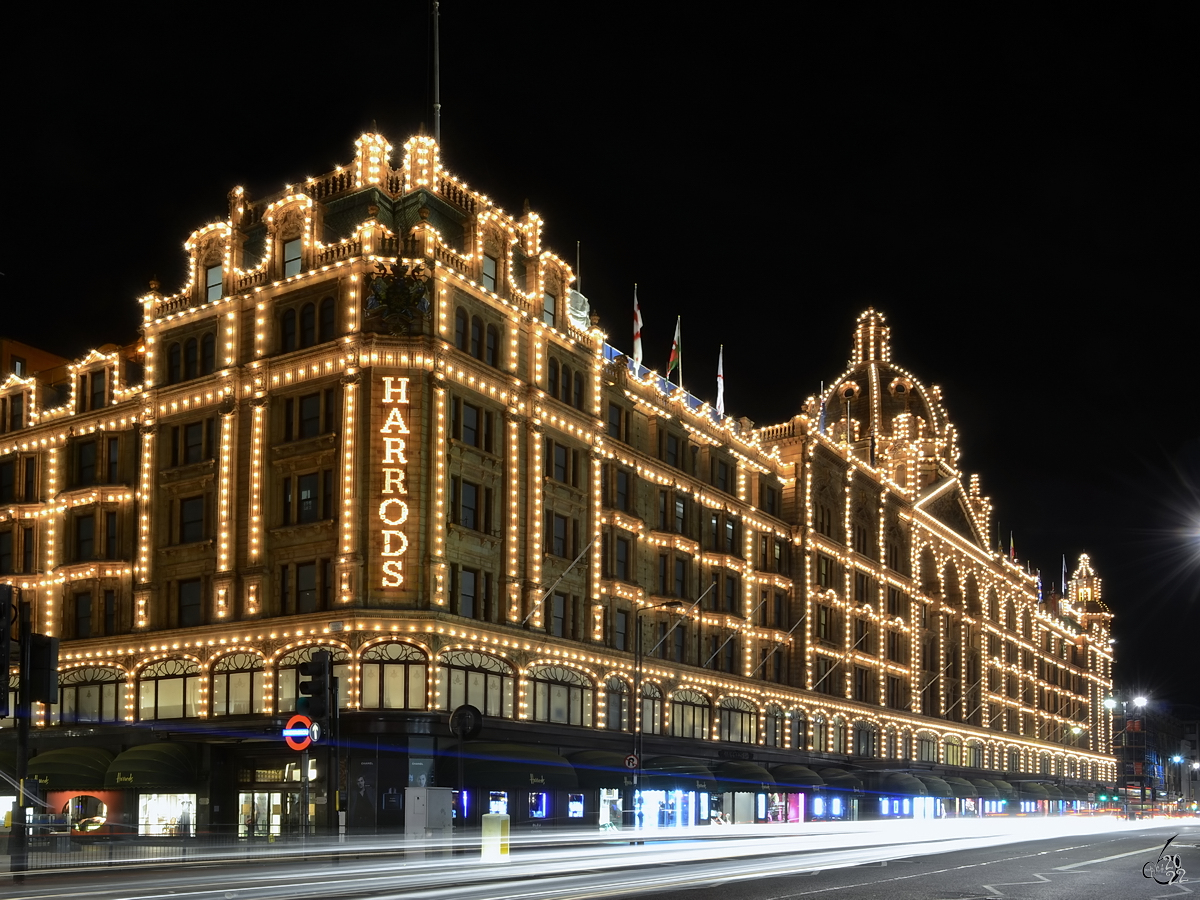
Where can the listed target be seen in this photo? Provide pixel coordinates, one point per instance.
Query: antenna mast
(437, 94)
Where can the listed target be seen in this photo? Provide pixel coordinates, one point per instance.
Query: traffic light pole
(19, 839)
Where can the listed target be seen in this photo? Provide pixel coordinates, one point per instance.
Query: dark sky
(1014, 191)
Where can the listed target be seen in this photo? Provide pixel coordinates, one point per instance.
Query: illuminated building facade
(442, 472)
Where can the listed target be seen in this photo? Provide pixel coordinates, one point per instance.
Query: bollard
(494, 847)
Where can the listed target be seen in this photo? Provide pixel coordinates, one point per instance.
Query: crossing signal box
(319, 687)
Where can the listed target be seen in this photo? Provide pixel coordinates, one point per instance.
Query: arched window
(616, 704)
(974, 755)
(483, 681)
(1010, 615)
(460, 328)
(561, 695)
(88, 694)
(890, 744)
(690, 712)
(927, 747)
(565, 397)
(865, 740)
(552, 378)
(738, 721)
(577, 398)
(476, 337)
(972, 596)
(327, 328)
(287, 331)
(308, 325)
(492, 346)
(952, 590)
(286, 676)
(208, 354)
(799, 730)
(393, 676)
(237, 685)
(191, 359)
(1026, 625)
(169, 689)
(174, 364)
(820, 734)
(652, 709)
(773, 726)
(993, 605)
(839, 735)
(929, 577)
(952, 751)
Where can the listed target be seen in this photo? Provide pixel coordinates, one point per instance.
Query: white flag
(721, 382)
(637, 330)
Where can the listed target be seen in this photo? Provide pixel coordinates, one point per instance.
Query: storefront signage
(393, 508)
(744, 755)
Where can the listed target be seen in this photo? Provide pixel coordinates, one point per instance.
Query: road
(947, 860)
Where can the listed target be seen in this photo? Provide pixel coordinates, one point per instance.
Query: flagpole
(679, 346)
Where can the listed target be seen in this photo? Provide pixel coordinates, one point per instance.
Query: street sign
(631, 761)
(299, 732)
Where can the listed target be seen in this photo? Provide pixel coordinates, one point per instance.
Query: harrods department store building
(450, 479)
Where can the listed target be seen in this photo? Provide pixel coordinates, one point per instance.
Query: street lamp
(636, 707)
(1110, 703)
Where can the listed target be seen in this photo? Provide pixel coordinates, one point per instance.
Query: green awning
(1053, 793)
(501, 766)
(1007, 791)
(792, 775)
(737, 775)
(159, 765)
(987, 790)
(840, 779)
(962, 788)
(71, 768)
(600, 769)
(904, 783)
(1031, 790)
(677, 773)
(936, 786)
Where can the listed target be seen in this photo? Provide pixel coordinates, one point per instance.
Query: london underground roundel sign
(298, 732)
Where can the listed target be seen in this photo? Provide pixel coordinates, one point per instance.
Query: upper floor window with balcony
(212, 283)
(549, 307)
(292, 251)
(488, 273)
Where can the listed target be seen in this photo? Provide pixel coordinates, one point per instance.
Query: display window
(173, 815)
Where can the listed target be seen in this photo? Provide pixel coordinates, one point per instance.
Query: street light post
(635, 712)
(1110, 703)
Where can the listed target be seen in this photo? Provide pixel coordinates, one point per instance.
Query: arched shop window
(287, 676)
(89, 694)
(652, 709)
(561, 695)
(690, 713)
(820, 734)
(773, 726)
(616, 704)
(738, 721)
(483, 681)
(237, 685)
(799, 728)
(169, 689)
(839, 735)
(393, 676)
(865, 739)
(974, 755)
(952, 751)
(891, 750)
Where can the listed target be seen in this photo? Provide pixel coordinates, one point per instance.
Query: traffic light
(42, 678)
(7, 622)
(319, 670)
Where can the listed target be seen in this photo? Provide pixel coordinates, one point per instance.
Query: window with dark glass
(548, 309)
(558, 534)
(212, 283)
(824, 571)
(99, 398)
(86, 463)
(6, 552)
(174, 364)
(291, 257)
(328, 323)
(191, 520)
(621, 630)
(208, 354)
(461, 327)
(8, 481)
(190, 603)
(85, 537)
(27, 548)
(488, 274)
(617, 422)
(110, 535)
(491, 348)
(721, 471)
(287, 331)
(306, 587)
(476, 345)
(623, 550)
(83, 615)
(191, 359)
(308, 325)
(110, 612)
(113, 459)
(622, 496)
(671, 447)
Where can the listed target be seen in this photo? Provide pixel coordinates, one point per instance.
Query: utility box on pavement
(428, 815)
(495, 838)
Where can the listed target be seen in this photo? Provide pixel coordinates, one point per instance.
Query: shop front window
(169, 689)
(89, 694)
(539, 804)
(498, 803)
(690, 712)
(85, 813)
(738, 720)
(561, 695)
(483, 681)
(393, 676)
(286, 675)
(616, 704)
(172, 815)
(237, 685)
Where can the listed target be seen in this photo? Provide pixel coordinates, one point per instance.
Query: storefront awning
(840, 779)
(499, 766)
(677, 773)
(987, 790)
(739, 775)
(158, 765)
(936, 786)
(903, 783)
(1053, 793)
(600, 769)
(1006, 790)
(71, 768)
(962, 788)
(1031, 790)
(793, 775)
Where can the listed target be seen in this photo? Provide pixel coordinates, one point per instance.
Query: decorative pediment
(946, 501)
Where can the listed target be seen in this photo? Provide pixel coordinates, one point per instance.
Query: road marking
(1092, 862)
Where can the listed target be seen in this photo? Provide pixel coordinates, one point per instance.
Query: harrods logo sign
(393, 506)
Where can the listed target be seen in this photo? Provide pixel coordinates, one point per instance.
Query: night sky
(1014, 192)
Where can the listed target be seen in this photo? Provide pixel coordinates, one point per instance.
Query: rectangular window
(191, 520)
(113, 459)
(671, 448)
(489, 273)
(721, 476)
(310, 416)
(618, 422)
(110, 535)
(680, 515)
(306, 587)
(306, 491)
(680, 577)
(99, 398)
(27, 548)
(190, 606)
(862, 588)
(623, 490)
(824, 623)
(83, 615)
(8, 481)
(291, 257)
(770, 500)
(548, 309)
(895, 693)
(110, 612)
(468, 592)
(731, 594)
(558, 613)
(193, 443)
(862, 684)
(559, 534)
(621, 630)
(29, 493)
(85, 537)
(824, 571)
(622, 568)
(212, 283)
(86, 458)
(6, 553)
